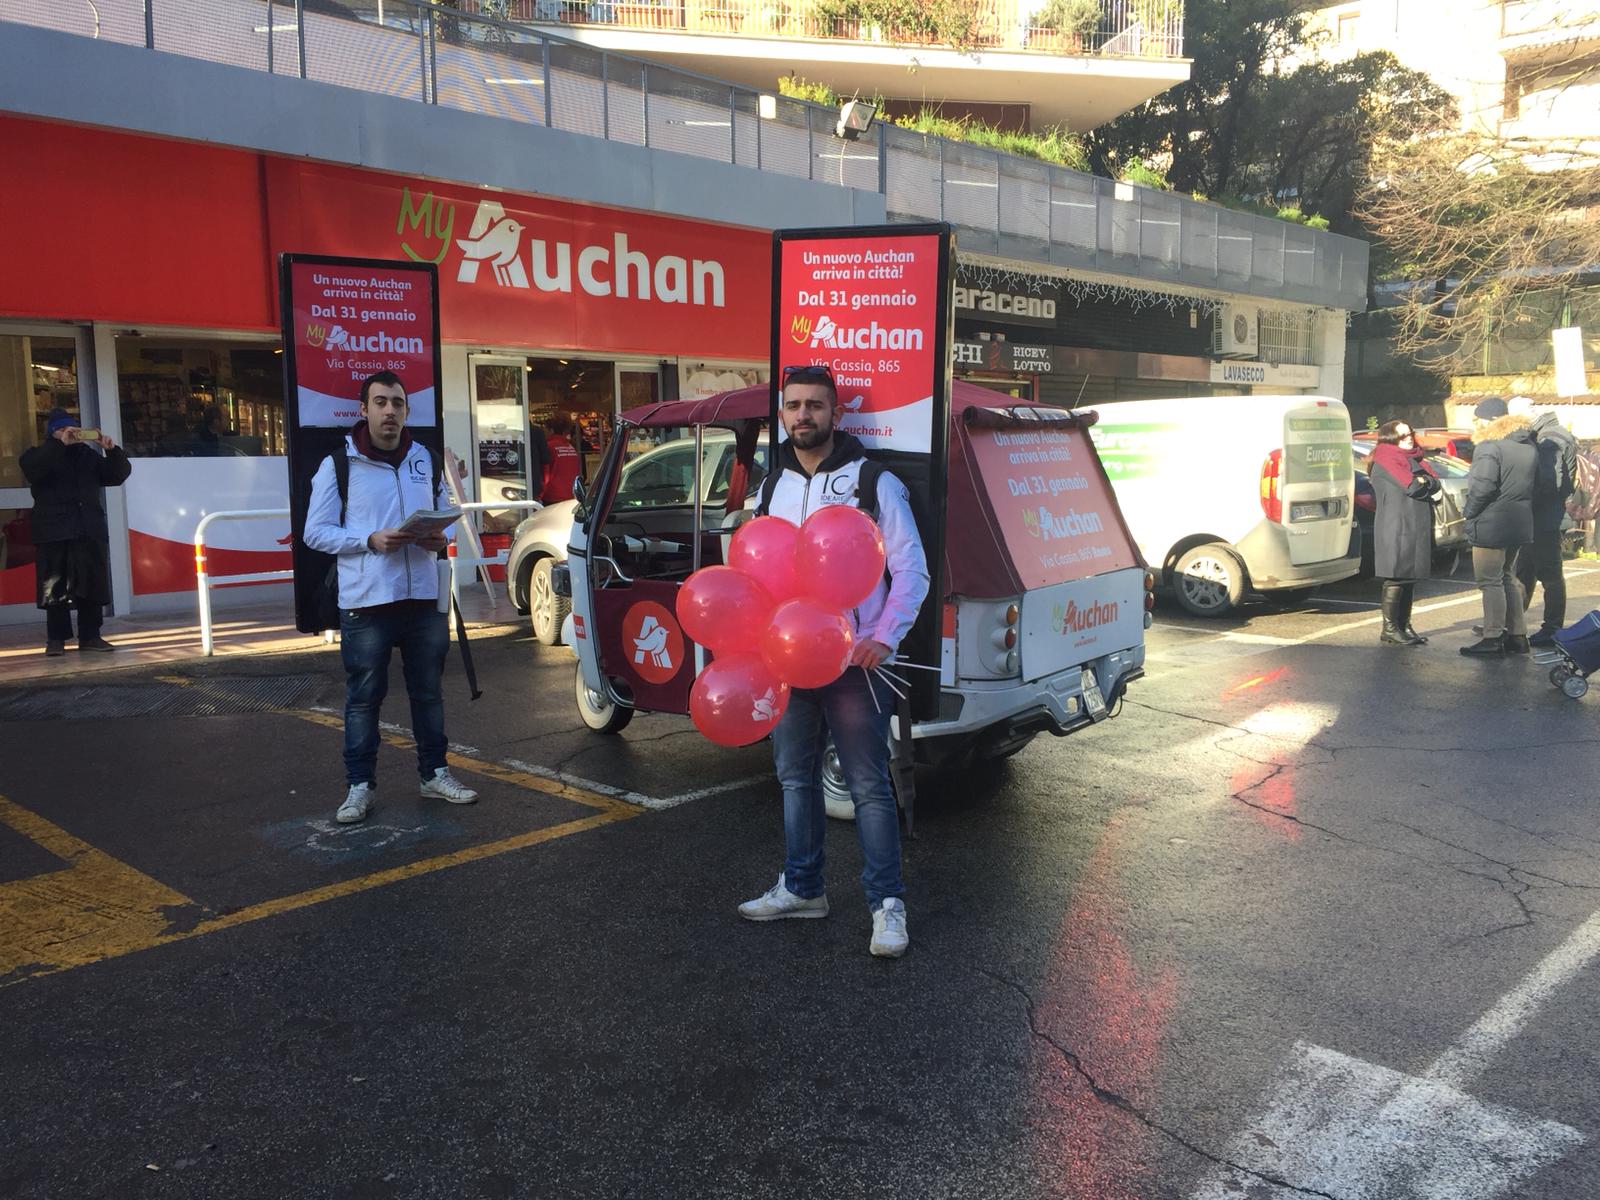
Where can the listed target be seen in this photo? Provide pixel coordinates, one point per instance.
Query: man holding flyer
(820, 465)
(383, 513)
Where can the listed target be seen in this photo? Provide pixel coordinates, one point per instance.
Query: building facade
(161, 187)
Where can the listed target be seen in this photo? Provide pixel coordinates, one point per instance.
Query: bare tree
(1490, 232)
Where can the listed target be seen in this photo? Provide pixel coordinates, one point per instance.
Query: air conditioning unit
(1236, 332)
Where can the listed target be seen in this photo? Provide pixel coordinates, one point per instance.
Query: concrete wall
(65, 77)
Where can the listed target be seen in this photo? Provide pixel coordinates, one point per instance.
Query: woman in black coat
(73, 562)
(1404, 487)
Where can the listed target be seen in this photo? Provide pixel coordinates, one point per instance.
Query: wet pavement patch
(163, 698)
(322, 839)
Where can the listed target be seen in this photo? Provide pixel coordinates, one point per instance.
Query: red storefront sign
(873, 306)
(154, 232)
(519, 270)
(350, 320)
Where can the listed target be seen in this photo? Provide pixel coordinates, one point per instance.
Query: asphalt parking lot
(1309, 917)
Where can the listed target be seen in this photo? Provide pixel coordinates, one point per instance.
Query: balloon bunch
(774, 616)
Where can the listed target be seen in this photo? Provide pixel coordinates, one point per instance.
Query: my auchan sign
(525, 270)
(514, 270)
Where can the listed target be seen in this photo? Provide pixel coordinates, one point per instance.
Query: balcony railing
(1001, 204)
(1127, 28)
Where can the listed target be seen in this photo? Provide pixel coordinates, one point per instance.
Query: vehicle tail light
(1271, 486)
(1367, 501)
(1004, 639)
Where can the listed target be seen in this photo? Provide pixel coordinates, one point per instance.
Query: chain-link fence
(1001, 203)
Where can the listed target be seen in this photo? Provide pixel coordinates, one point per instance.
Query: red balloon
(808, 643)
(737, 700)
(764, 549)
(839, 555)
(725, 610)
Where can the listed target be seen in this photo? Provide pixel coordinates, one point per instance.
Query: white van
(1229, 494)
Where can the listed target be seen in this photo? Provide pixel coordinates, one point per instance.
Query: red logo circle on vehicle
(652, 642)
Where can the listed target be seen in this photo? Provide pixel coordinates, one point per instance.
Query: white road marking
(1505, 1020)
(1358, 1131)
(654, 803)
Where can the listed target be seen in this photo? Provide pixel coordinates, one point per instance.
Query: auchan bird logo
(501, 246)
(316, 335)
(800, 329)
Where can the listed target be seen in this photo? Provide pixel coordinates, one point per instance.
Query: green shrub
(1053, 144)
(1081, 17)
(1144, 174)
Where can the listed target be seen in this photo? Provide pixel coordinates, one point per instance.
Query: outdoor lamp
(855, 118)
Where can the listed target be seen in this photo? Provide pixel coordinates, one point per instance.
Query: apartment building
(1526, 75)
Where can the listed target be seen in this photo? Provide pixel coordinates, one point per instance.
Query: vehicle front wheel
(519, 588)
(546, 609)
(1208, 580)
(600, 713)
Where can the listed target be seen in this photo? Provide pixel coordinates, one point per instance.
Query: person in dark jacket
(73, 567)
(1558, 473)
(1404, 487)
(1499, 513)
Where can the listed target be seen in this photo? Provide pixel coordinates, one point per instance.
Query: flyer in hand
(426, 522)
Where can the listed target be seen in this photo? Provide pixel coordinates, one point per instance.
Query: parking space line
(349, 887)
(516, 774)
(95, 907)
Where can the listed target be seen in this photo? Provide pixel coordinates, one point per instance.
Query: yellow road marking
(480, 766)
(97, 907)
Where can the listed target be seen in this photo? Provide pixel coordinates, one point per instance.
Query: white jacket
(887, 615)
(381, 497)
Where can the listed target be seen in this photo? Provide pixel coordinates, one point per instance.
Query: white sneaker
(889, 936)
(447, 787)
(357, 804)
(779, 902)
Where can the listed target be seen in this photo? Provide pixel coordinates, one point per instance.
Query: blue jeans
(367, 636)
(860, 735)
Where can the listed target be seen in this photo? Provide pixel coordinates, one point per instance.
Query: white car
(661, 476)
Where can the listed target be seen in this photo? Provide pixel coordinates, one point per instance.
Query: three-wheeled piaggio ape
(1038, 599)
(1035, 624)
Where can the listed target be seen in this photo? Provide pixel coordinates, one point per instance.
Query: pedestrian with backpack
(1556, 479)
(388, 589)
(816, 466)
(1499, 516)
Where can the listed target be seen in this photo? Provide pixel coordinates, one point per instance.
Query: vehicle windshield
(648, 527)
(663, 476)
(1446, 466)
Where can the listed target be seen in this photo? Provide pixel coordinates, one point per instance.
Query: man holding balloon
(814, 600)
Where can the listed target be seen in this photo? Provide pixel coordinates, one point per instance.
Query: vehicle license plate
(1093, 700)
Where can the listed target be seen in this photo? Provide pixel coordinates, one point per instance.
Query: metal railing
(480, 561)
(1002, 204)
(205, 580)
(1126, 28)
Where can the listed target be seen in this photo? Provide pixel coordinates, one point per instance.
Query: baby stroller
(1576, 653)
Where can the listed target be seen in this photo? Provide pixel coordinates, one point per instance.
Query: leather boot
(1392, 634)
(1408, 595)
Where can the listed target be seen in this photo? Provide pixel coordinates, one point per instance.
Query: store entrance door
(39, 370)
(500, 437)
